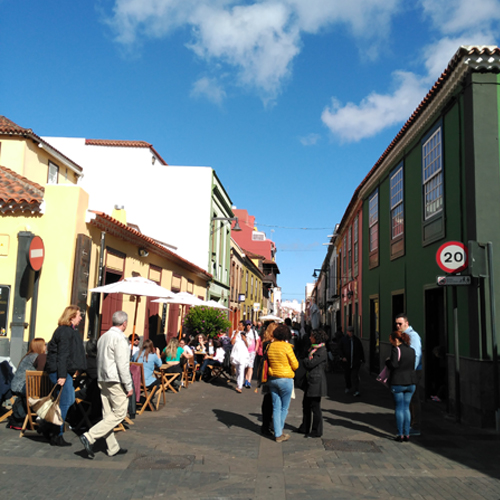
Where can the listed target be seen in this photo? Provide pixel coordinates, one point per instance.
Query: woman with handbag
(267, 401)
(315, 385)
(65, 358)
(402, 381)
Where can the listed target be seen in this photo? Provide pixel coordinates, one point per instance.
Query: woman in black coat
(315, 386)
(402, 381)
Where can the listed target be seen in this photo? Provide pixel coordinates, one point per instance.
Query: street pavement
(206, 444)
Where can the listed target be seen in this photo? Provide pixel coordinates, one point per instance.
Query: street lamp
(229, 219)
(314, 274)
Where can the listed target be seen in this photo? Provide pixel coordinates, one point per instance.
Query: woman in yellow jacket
(282, 365)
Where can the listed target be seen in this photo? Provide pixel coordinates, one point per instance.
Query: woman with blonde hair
(65, 358)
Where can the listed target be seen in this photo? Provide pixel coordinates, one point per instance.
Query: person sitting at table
(215, 360)
(210, 346)
(137, 340)
(149, 356)
(188, 352)
(201, 343)
(174, 355)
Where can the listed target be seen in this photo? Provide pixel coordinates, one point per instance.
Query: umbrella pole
(182, 319)
(135, 321)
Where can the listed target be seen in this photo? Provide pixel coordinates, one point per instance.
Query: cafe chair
(38, 386)
(148, 395)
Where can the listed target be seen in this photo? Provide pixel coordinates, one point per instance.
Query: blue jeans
(402, 396)
(281, 393)
(67, 397)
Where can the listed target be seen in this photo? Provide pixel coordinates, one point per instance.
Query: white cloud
(457, 22)
(209, 88)
(310, 139)
(258, 38)
(353, 122)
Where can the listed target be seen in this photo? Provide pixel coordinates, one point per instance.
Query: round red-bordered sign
(36, 253)
(452, 257)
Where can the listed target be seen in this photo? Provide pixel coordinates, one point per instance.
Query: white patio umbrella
(137, 286)
(216, 305)
(182, 299)
(271, 317)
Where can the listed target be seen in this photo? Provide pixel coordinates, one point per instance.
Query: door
(374, 336)
(111, 302)
(435, 345)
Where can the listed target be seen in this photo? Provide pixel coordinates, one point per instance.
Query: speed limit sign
(452, 257)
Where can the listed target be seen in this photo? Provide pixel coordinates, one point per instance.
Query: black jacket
(316, 376)
(65, 352)
(402, 370)
(358, 355)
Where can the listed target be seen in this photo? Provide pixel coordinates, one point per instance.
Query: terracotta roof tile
(104, 222)
(124, 144)
(8, 127)
(19, 194)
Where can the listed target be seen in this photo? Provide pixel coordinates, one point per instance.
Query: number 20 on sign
(452, 257)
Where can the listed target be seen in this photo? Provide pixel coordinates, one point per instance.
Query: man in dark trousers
(352, 354)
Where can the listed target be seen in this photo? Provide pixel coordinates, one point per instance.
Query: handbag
(47, 408)
(384, 375)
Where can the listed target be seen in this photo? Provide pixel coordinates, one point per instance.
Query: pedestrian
(353, 356)
(402, 325)
(65, 358)
(239, 357)
(316, 386)
(252, 344)
(267, 401)
(282, 365)
(115, 383)
(402, 381)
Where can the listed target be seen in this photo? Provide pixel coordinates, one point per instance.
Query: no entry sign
(36, 253)
(452, 257)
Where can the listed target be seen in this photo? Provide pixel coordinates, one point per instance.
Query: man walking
(352, 354)
(402, 325)
(115, 382)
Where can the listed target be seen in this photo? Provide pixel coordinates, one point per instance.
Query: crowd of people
(277, 357)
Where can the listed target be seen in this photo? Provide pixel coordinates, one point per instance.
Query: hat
(247, 322)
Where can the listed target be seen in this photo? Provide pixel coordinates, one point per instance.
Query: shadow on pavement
(230, 419)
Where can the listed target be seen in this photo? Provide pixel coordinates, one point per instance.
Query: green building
(438, 182)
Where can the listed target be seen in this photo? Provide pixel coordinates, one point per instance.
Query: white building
(173, 204)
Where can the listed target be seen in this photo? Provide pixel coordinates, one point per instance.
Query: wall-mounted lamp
(315, 274)
(229, 219)
(143, 252)
(350, 293)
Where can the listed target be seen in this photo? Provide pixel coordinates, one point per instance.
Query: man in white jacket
(115, 383)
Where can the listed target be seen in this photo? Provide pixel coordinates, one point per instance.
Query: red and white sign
(452, 257)
(36, 253)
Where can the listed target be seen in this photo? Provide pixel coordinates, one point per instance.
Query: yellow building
(81, 249)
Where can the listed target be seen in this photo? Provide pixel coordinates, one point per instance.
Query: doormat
(354, 446)
(156, 461)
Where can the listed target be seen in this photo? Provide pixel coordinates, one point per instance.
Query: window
(373, 221)
(349, 250)
(397, 206)
(344, 273)
(432, 175)
(53, 175)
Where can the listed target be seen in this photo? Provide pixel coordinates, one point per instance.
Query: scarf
(314, 348)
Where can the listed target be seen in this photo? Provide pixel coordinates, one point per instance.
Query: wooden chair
(144, 390)
(192, 370)
(85, 408)
(166, 383)
(38, 386)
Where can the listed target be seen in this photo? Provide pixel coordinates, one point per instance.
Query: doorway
(374, 336)
(435, 345)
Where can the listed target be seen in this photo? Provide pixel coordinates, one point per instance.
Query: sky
(290, 101)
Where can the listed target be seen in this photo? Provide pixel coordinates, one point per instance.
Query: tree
(208, 321)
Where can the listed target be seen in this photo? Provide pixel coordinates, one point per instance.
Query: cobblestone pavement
(206, 444)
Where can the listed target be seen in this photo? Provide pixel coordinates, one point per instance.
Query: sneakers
(121, 451)
(282, 438)
(88, 446)
(247, 384)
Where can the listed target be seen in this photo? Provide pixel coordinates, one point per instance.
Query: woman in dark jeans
(65, 358)
(316, 385)
(402, 381)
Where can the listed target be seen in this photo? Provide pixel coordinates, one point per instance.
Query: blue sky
(290, 101)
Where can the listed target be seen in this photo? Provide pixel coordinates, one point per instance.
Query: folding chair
(222, 370)
(85, 408)
(165, 384)
(144, 390)
(38, 386)
(8, 413)
(192, 371)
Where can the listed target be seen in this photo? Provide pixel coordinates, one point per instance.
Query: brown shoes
(283, 437)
